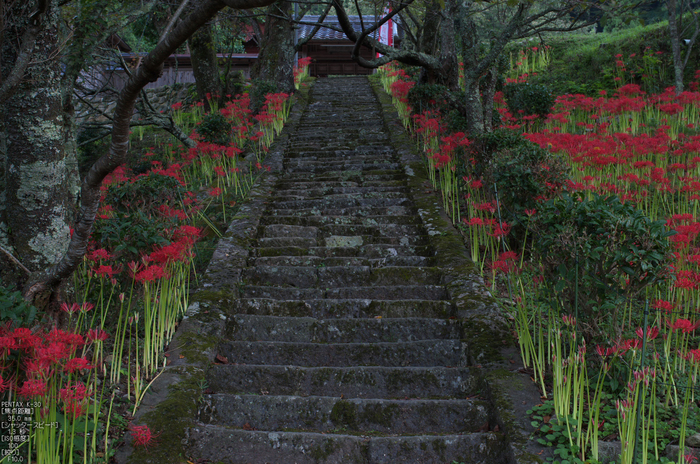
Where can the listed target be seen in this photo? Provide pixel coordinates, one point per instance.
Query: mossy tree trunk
(39, 173)
(275, 61)
(205, 64)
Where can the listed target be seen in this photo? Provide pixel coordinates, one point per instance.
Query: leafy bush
(215, 128)
(617, 250)
(146, 193)
(523, 172)
(429, 97)
(525, 99)
(260, 89)
(14, 308)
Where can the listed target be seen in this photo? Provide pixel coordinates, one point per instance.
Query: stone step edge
(320, 448)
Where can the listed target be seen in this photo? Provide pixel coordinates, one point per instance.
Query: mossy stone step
(245, 327)
(362, 193)
(332, 203)
(340, 261)
(345, 308)
(215, 443)
(341, 241)
(325, 191)
(340, 276)
(394, 292)
(422, 353)
(351, 215)
(355, 176)
(378, 251)
(329, 414)
(348, 382)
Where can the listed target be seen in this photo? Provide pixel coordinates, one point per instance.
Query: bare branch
(15, 260)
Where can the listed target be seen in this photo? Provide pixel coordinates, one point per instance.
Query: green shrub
(215, 128)
(260, 89)
(525, 99)
(523, 172)
(617, 250)
(14, 308)
(429, 97)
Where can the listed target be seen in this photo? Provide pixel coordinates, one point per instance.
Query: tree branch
(15, 261)
(26, 50)
(149, 71)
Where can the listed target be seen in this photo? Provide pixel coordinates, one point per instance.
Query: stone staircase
(338, 332)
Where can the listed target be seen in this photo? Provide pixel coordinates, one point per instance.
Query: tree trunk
(275, 61)
(205, 66)
(487, 95)
(675, 44)
(38, 172)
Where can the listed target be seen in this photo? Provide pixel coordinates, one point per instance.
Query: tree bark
(675, 44)
(205, 66)
(275, 61)
(38, 171)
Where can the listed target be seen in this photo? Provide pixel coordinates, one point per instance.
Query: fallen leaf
(221, 359)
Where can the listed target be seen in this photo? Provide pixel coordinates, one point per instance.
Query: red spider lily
(652, 333)
(95, 335)
(99, 255)
(5, 384)
(215, 192)
(74, 399)
(500, 230)
(7, 344)
(151, 273)
(33, 388)
(604, 352)
(105, 271)
(684, 325)
(76, 364)
(509, 256)
(142, 435)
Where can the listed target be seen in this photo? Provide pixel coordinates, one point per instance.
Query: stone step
(369, 251)
(339, 203)
(353, 176)
(395, 292)
(340, 276)
(215, 443)
(308, 329)
(366, 192)
(348, 382)
(307, 185)
(369, 152)
(344, 308)
(340, 261)
(329, 414)
(379, 166)
(423, 353)
(353, 215)
(326, 191)
(343, 241)
(344, 230)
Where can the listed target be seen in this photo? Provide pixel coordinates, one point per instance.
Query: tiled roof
(325, 33)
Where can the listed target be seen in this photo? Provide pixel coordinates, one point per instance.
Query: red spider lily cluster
(642, 147)
(301, 71)
(144, 283)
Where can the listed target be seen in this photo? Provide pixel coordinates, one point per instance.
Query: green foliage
(522, 171)
(126, 234)
(525, 99)
(146, 193)
(613, 247)
(14, 308)
(260, 89)
(91, 145)
(429, 97)
(215, 128)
